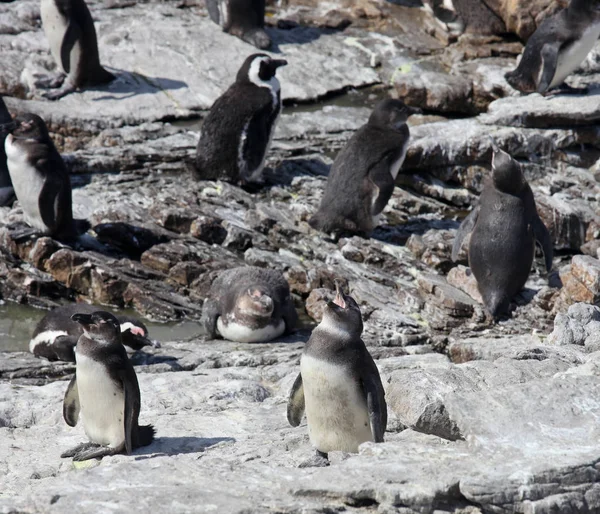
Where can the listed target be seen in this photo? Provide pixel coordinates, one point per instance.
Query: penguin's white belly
(336, 410)
(27, 183)
(237, 332)
(102, 403)
(568, 60)
(55, 26)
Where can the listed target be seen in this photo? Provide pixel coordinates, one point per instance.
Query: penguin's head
(391, 113)
(254, 302)
(101, 326)
(134, 333)
(29, 127)
(342, 313)
(506, 172)
(259, 69)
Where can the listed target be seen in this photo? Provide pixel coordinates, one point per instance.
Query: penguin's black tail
(145, 435)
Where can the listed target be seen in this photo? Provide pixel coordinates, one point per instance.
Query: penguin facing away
(504, 228)
(249, 305)
(71, 34)
(557, 48)
(242, 18)
(7, 192)
(339, 386)
(362, 177)
(105, 391)
(41, 180)
(237, 131)
(56, 335)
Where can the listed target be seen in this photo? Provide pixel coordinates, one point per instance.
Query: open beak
(338, 301)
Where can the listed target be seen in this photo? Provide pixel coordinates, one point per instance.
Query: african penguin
(242, 18)
(41, 180)
(339, 386)
(7, 192)
(557, 48)
(105, 391)
(249, 305)
(56, 335)
(362, 177)
(237, 131)
(505, 227)
(70, 31)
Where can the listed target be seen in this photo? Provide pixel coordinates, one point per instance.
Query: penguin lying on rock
(56, 335)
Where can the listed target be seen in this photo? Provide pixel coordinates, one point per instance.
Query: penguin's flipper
(72, 34)
(542, 236)
(71, 403)
(376, 406)
(383, 182)
(295, 406)
(47, 202)
(131, 411)
(549, 55)
(466, 227)
(210, 314)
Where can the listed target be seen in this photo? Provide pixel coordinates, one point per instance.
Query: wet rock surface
(483, 418)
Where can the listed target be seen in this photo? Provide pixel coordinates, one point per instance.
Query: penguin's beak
(83, 319)
(278, 63)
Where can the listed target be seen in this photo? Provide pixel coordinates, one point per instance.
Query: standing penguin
(362, 177)
(56, 335)
(557, 47)
(505, 227)
(242, 18)
(237, 132)
(249, 305)
(41, 180)
(106, 392)
(339, 385)
(7, 193)
(70, 31)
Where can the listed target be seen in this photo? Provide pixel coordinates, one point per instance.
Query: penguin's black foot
(21, 232)
(319, 460)
(57, 95)
(78, 449)
(565, 89)
(95, 453)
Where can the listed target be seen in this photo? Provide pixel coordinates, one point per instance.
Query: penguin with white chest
(237, 131)
(557, 48)
(56, 335)
(7, 192)
(70, 32)
(41, 180)
(249, 305)
(104, 391)
(362, 177)
(339, 386)
(242, 18)
(504, 229)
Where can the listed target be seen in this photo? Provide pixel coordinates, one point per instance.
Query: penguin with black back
(41, 180)
(71, 34)
(504, 229)
(557, 48)
(7, 192)
(362, 177)
(339, 387)
(105, 391)
(56, 334)
(242, 18)
(237, 131)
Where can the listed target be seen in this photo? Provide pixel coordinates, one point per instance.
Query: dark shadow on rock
(142, 358)
(168, 446)
(399, 234)
(285, 173)
(135, 84)
(128, 239)
(406, 3)
(289, 33)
